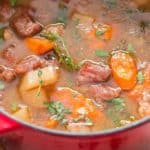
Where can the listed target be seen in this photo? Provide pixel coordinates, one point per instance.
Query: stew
(78, 66)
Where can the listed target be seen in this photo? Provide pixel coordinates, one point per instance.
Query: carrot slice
(38, 45)
(124, 70)
(51, 123)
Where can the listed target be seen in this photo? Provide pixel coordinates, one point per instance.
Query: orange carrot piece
(39, 45)
(124, 70)
(51, 123)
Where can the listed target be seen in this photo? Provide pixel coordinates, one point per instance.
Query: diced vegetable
(51, 123)
(23, 114)
(124, 70)
(34, 97)
(39, 45)
(32, 79)
(103, 31)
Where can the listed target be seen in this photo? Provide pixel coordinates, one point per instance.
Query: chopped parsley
(40, 82)
(100, 32)
(115, 107)
(58, 111)
(61, 50)
(140, 77)
(84, 119)
(101, 53)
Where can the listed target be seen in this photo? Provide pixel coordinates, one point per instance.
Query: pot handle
(7, 124)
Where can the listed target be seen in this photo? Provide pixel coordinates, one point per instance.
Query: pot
(18, 135)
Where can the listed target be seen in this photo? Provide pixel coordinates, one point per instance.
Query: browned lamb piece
(103, 92)
(7, 74)
(29, 63)
(92, 72)
(24, 25)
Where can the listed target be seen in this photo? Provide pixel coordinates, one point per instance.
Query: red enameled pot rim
(92, 134)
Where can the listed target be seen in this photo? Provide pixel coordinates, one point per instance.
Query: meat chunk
(92, 72)
(7, 74)
(144, 104)
(103, 92)
(9, 54)
(29, 63)
(24, 25)
(5, 11)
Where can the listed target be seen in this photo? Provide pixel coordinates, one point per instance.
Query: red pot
(23, 136)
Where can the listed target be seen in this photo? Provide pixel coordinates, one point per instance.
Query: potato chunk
(22, 114)
(32, 79)
(34, 98)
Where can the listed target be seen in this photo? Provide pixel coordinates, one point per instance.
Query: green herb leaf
(89, 121)
(39, 73)
(58, 110)
(13, 3)
(100, 32)
(116, 106)
(61, 50)
(130, 48)
(101, 53)
(2, 85)
(140, 77)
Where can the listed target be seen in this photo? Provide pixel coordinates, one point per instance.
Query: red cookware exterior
(24, 137)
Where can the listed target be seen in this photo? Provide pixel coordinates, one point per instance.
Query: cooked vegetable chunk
(38, 45)
(124, 70)
(22, 114)
(40, 77)
(34, 98)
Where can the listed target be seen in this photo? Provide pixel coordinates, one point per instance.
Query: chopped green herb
(61, 50)
(13, 3)
(40, 82)
(2, 85)
(79, 118)
(58, 111)
(101, 53)
(140, 77)
(89, 121)
(130, 48)
(100, 32)
(116, 107)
